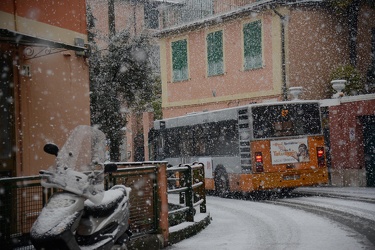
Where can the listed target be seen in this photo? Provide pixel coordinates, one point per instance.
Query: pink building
(257, 52)
(231, 53)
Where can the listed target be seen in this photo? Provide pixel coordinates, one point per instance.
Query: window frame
(217, 69)
(183, 75)
(286, 120)
(248, 50)
(151, 16)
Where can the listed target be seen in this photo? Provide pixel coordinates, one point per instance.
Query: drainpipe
(111, 19)
(18, 128)
(15, 15)
(353, 30)
(135, 17)
(283, 69)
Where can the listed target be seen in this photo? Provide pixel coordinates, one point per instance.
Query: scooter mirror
(110, 167)
(51, 148)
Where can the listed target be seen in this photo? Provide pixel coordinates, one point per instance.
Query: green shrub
(354, 85)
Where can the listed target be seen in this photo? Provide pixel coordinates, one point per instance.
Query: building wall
(317, 43)
(307, 64)
(128, 16)
(148, 123)
(60, 21)
(236, 86)
(365, 24)
(225, 5)
(347, 147)
(54, 99)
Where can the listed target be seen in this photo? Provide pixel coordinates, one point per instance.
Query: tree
(120, 77)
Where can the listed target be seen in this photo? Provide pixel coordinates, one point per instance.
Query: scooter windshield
(84, 151)
(79, 164)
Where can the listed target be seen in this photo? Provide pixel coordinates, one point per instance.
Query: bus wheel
(221, 183)
(286, 192)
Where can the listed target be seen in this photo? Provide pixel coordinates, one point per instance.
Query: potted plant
(354, 83)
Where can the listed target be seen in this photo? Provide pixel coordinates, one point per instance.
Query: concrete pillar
(148, 121)
(163, 202)
(131, 132)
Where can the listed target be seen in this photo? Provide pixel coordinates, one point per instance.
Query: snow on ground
(361, 209)
(241, 224)
(363, 192)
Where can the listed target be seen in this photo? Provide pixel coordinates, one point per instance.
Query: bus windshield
(286, 120)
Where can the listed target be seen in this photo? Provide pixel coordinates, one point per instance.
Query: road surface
(244, 224)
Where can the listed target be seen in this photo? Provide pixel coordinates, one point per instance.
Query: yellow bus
(268, 146)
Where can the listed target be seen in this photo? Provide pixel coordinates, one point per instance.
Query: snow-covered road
(243, 224)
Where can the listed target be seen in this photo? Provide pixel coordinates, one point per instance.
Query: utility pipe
(283, 66)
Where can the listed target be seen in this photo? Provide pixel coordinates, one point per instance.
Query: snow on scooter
(82, 215)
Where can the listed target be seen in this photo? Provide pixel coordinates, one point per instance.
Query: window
(286, 120)
(215, 53)
(179, 60)
(151, 15)
(252, 34)
(214, 139)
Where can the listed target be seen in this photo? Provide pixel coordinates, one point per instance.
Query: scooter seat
(112, 198)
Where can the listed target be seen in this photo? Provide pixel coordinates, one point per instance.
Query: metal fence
(141, 178)
(187, 180)
(22, 199)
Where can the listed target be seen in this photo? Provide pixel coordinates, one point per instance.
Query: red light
(258, 157)
(320, 155)
(258, 162)
(320, 152)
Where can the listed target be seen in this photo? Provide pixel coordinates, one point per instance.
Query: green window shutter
(215, 53)
(179, 60)
(252, 33)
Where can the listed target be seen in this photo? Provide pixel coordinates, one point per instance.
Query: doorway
(369, 148)
(7, 154)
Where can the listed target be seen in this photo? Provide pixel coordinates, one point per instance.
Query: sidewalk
(355, 193)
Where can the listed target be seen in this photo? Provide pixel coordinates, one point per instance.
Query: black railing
(187, 180)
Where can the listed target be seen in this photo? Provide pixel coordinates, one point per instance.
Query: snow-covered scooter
(81, 215)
